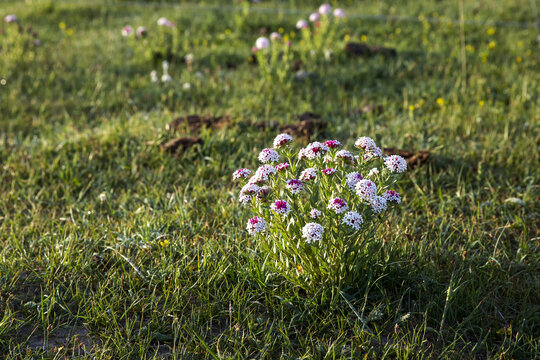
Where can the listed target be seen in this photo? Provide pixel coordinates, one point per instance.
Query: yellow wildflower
(347, 37)
(481, 103)
(492, 44)
(281, 30)
(411, 107)
(469, 48)
(440, 101)
(70, 31)
(62, 25)
(519, 59)
(363, 38)
(491, 31)
(228, 31)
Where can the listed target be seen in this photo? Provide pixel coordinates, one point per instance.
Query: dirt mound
(196, 122)
(177, 146)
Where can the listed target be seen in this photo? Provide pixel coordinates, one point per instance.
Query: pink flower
(11, 18)
(250, 189)
(282, 166)
(281, 207)
(395, 163)
(275, 36)
(314, 17)
(325, 9)
(328, 171)
(338, 205)
(366, 189)
(241, 174)
(256, 225)
(302, 24)
(392, 196)
(127, 30)
(339, 13)
(332, 144)
(295, 186)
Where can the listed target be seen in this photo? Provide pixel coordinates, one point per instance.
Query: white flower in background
(352, 179)
(328, 54)
(189, 58)
(127, 30)
(308, 174)
(268, 155)
(262, 43)
(302, 24)
(366, 189)
(186, 86)
(353, 219)
(282, 139)
(302, 154)
(166, 78)
(339, 13)
(244, 199)
(275, 36)
(162, 21)
(373, 172)
(395, 163)
(312, 232)
(378, 204)
(256, 225)
(11, 18)
(265, 171)
(141, 32)
(102, 198)
(338, 205)
(325, 9)
(153, 76)
(315, 214)
(314, 17)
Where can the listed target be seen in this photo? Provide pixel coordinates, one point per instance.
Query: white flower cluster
(338, 205)
(353, 219)
(352, 179)
(268, 155)
(281, 207)
(295, 186)
(366, 190)
(312, 232)
(256, 225)
(395, 163)
(241, 174)
(308, 174)
(282, 139)
(314, 214)
(315, 150)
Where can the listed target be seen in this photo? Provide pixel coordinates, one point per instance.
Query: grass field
(114, 249)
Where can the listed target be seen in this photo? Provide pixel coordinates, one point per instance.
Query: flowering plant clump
(316, 221)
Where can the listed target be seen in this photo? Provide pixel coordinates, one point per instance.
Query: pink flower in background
(328, 171)
(282, 139)
(302, 24)
(127, 30)
(11, 18)
(365, 143)
(339, 13)
(325, 9)
(314, 17)
(315, 150)
(345, 155)
(332, 144)
(275, 36)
